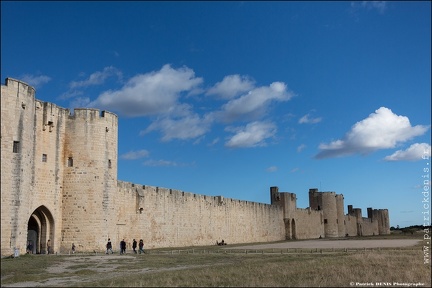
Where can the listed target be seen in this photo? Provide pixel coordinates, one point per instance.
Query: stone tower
(357, 213)
(90, 181)
(32, 138)
(382, 216)
(59, 173)
(340, 220)
(59, 183)
(326, 201)
(288, 201)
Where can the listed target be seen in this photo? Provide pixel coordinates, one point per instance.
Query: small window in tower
(50, 124)
(15, 147)
(109, 163)
(44, 157)
(337, 221)
(325, 221)
(70, 162)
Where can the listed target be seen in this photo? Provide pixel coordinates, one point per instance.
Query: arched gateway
(290, 229)
(40, 229)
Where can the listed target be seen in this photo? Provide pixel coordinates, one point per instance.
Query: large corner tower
(90, 181)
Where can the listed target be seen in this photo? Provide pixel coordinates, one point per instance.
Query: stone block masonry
(59, 182)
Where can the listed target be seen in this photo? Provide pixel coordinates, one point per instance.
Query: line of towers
(331, 221)
(59, 183)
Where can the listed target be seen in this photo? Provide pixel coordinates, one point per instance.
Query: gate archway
(293, 228)
(287, 228)
(40, 228)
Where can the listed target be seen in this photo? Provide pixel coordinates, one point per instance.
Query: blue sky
(230, 98)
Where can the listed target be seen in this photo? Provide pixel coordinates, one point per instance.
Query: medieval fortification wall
(59, 182)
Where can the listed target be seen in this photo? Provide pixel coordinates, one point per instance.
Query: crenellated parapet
(59, 182)
(327, 202)
(21, 88)
(382, 216)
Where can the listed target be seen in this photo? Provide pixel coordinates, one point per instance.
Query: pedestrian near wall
(134, 246)
(49, 246)
(29, 248)
(141, 246)
(109, 247)
(123, 247)
(73, 248)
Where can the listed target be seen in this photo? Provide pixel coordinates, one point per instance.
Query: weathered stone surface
(59, 182)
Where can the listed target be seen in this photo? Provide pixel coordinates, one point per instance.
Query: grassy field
(215, 267)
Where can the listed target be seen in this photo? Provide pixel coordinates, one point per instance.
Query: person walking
(73, 248)
(134, 246)
(109, 247)
(141, 246)
(29, 248)
(48, 246)
(123, 247)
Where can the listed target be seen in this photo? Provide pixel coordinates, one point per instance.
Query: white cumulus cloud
(413, 153)
(152, 93)
(231, 86)
(35, 81)
(155, 163)
(132, 155)
(187, 127)
(306, 119)
(97, 78)
(272, 169)
(254, 104)
(166, 163)
(381, 130)
(301, 147)
(380, 6)
(253, 134)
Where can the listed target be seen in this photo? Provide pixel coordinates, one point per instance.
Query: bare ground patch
(326, 243)
(103, 267)
(78, 270)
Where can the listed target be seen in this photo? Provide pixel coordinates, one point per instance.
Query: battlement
(60, 166)
(328, 193)
(142, 190)
(315, 191)
(20, 86)
(91, 113)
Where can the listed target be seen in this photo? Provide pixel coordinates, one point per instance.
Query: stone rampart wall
(350, 225)
(309, 224)
(172, 218)
(369, 227)
(59, 182)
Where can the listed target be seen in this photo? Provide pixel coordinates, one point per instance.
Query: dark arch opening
(293, 228)
(287, 228)
(40, 228)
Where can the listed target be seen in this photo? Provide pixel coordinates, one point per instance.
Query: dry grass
(210, 269)
(306, 270)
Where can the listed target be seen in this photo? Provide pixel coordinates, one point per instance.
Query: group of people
(221, 243)
(135, 244)
(48, 247)
(140, 246)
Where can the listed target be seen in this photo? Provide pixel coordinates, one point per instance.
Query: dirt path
(108, 263)
(101, 264)
(325, 243)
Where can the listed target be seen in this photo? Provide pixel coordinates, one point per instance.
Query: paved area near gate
(328, 243)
